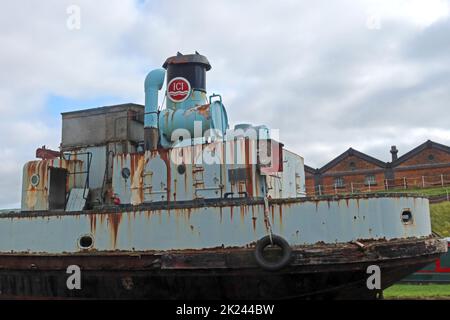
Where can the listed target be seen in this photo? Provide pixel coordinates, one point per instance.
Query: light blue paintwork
(194, 116)
(219, 117)
(153, 83)
(196, 98)
(195, 122)
(299, 222)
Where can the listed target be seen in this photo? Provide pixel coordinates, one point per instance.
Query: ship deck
(216, 202)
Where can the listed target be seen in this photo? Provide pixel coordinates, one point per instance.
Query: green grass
(429, 192)
(434, 191)
(440, 218)
(438, 191)
(415, 291)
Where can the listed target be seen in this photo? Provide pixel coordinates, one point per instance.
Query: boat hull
(318, 271)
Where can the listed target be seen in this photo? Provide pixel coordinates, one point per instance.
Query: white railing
(398, 184)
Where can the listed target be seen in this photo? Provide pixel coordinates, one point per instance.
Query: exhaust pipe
(153, 83)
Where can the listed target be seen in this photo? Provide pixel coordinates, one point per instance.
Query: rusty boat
(170, 203)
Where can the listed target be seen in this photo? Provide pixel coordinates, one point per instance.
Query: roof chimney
(394, 152)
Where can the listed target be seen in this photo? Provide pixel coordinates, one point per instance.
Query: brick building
(353, 171)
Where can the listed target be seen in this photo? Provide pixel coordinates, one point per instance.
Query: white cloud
(313, 69)
(418, 12)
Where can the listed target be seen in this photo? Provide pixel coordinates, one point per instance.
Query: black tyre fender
(269, 265)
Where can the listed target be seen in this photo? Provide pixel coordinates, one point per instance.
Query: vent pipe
(394, 153)
(153, 83)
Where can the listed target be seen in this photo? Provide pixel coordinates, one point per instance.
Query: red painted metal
(437, 267)
(47, 154)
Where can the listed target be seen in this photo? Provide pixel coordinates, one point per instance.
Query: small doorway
(57, 188)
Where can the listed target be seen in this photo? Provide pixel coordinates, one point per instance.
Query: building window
(339, 182)
(431, 157)
(370, 180)
(352, 166)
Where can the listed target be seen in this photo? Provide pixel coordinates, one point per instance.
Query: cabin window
(339, 182)
(35, 180)
(181, 168)
(126, 173)
(370, 180)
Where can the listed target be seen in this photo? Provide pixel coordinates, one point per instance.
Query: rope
(266, 218)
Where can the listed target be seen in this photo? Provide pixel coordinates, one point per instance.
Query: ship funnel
(187, 105)
(186, 80)
(192, 67)
(153, 83)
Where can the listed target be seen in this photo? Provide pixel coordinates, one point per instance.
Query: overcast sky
(329, 74)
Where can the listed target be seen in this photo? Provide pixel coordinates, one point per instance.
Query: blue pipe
(153, 83)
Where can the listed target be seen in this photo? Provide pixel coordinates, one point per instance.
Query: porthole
(125, 173)
(35, 180)
(86, 241)
(181, 168)
(407, 217)
(431, 157)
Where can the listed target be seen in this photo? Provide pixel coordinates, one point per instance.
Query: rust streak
(164, 155)
(189, 212)
(242, 212)
(93, 222)
(248, 166)
(114, 222)
(204, 110)
(281, 214)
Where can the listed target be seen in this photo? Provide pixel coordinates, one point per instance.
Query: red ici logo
(178, 89)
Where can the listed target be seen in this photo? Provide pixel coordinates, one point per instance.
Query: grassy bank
(437, 191)
(440, 218)
(418, 291)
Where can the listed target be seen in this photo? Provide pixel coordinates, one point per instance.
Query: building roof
(310, 170)
(355, 153)
(352, 152)
(426, 145)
